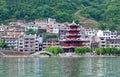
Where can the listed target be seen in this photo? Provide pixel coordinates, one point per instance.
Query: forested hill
(102, 11)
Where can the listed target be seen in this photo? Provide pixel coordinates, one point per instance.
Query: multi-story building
(28, 43)
(90, 32)
(50, 42)
(3, 29)
(11, 42)
(72, 38)
(15, 31)
(113, 35)
(106, 35)
(34, 27)
(62, 31)
(113, 43)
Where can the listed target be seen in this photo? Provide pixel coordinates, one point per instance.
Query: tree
(3, 43)
(98, 51)
(88, 49)
(103, 26)
(47, 36)
(81, 50)
(107, 50)
(54, 50)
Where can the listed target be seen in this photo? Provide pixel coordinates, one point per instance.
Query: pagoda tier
(73, 43)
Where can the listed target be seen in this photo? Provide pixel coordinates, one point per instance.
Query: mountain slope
(101, 11)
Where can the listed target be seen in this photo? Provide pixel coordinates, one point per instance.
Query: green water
(60, 67)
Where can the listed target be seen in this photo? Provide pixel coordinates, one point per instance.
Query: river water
(60, 67)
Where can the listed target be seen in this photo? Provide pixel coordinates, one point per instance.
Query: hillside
(103, 12)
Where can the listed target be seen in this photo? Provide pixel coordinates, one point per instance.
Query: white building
(105, 35)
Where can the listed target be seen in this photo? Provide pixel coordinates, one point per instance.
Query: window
(31, 45)
(21, 50)
(21, 43)
(26, 39)
(103, 42)
(31, 39)
(31, 42)
(111, 42)
(26, 42)
(21, 47)
(26, 45)
(102, 38)
(26, 50)
(31, 50)
(36, 50)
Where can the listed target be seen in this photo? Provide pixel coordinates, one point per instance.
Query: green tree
(98, 51)
(81, 50)
(47, 36)
(54, 50)
(3, 43)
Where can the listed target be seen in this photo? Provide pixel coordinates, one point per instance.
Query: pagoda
(72, 38)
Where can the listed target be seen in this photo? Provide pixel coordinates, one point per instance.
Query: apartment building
(50, 42)
(15, 31)
(3, 29)
(28, 43)
(106, 35)
(90, 32)
(113, 43)
(11, 42)
(34, 27)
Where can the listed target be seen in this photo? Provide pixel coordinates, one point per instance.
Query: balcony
(71, 39)
(75, 29)
(73, 34)
(73, 45)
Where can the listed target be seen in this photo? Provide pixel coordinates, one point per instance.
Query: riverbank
(42, 56)
(63, 55)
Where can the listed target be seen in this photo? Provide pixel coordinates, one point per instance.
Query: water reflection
(59, 67)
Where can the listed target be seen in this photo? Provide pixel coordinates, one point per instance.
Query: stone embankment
(7, 53)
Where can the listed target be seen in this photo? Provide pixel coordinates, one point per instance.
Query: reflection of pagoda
(72, 38)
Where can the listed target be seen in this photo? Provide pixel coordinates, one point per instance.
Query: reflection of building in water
(99, 68)
(22, 67)
(71, 67)
(3, 67)
(52, 68)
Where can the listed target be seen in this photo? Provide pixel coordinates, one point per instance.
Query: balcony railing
(73, 45)
(70, 34)
(74, 29)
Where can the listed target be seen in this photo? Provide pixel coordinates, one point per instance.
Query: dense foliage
(107, 51)
(49, 36)
(102, 11)
(54, 50)
(3, 43)
(82, 50)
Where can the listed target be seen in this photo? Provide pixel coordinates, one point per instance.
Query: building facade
(28, 43)
(50, 42)
(11, 42)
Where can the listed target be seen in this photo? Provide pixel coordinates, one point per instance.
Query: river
(60, 67)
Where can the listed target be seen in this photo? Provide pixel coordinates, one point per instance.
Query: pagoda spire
(73, 22)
